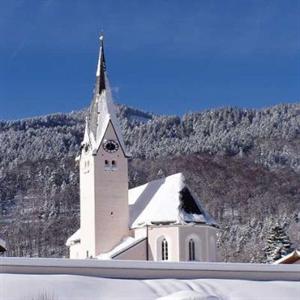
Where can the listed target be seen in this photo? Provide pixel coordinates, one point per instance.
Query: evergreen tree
(278, 244)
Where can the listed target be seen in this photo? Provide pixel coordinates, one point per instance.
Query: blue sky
(168, 57)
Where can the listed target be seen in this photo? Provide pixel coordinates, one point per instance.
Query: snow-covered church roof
(74, 238)
(166, 200)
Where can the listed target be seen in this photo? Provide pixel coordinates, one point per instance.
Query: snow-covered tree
(39, 197)
(278, 244)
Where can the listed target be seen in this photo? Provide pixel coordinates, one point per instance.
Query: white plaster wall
(87, 204)
(137, 252)
(76, 251)
(139, 232)
(111, 198)
(103, 200)
(178, 237)
(212, 239)
(155, 236)
(204, 237)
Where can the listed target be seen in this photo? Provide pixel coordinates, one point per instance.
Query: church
(162, 220)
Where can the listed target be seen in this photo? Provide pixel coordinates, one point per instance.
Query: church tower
(104, 216)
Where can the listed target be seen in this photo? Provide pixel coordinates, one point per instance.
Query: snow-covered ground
(75, 287)
(91, 279)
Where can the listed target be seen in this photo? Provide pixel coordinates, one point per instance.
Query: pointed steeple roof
(102, 109)
(101, 68)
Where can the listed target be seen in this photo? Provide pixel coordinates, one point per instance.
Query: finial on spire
(101, 36)
(100, 83)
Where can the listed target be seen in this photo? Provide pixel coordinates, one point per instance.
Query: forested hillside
(244, 164)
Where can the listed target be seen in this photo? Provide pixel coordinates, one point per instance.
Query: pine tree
(278, 244)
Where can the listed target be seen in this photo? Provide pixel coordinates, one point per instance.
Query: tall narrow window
(191, 250)
(164, 250)
(106, 165)
(113, 165)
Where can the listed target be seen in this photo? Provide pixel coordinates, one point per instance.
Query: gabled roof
(291, 258)
(166, 200)
(122, 247)
(102, 109)
(163, 201)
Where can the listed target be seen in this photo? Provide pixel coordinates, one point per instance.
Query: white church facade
(160, 220)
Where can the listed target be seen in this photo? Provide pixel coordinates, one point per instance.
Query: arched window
(191, 250)
(164, 250)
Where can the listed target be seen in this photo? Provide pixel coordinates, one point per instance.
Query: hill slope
(244, 164)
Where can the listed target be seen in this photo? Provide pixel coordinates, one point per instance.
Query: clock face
(110, 146)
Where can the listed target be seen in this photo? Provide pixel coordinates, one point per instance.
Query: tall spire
(101, 68)
(102, 109)
(100, 86)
